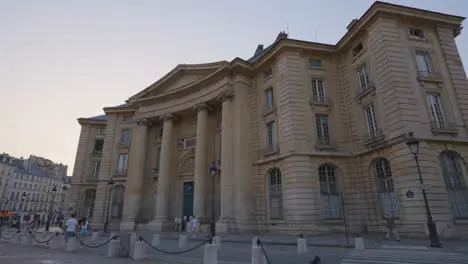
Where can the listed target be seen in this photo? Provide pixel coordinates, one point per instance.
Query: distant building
(27, 186)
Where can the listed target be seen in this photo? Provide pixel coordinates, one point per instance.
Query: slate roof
(99, 117)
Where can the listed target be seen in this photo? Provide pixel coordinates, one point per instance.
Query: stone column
(162, 194)
(134, 186)
(201, 162)
(227, 177)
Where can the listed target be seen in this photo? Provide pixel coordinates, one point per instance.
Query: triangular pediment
(179, 78)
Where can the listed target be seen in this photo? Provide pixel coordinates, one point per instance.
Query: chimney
(351, 24)
(259, 49)
(282, 35)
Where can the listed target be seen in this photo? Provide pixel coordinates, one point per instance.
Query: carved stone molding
(227, 94)
(167, 117)
(201, 107)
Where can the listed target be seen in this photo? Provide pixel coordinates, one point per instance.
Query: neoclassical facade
(306, 137)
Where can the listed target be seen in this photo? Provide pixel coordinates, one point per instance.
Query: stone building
(291, 131)
(26, 186)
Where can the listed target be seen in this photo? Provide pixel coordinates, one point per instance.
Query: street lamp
(413, 145)
(49, 218)
(110, 183)
(213, 172)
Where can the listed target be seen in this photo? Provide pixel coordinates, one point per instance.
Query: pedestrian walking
(194, 224)
(70, 227)
(84, 227)
(391, 228)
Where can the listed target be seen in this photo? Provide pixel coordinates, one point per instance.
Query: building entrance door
(187, 206)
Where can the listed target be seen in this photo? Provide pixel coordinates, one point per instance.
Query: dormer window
(358, 49)
(267, 73)
(416, 33)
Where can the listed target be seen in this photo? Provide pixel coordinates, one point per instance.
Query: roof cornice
(90, 121)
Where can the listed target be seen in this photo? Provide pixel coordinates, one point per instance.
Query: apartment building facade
(27, 187)
(302, 137)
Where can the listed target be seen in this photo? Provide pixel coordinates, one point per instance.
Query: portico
(187, 141)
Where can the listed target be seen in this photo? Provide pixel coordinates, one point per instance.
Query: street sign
(409, 194)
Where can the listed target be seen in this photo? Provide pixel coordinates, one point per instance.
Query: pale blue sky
(60, 60)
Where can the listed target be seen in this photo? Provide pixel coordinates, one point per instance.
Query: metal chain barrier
(45, 241)
(9, 238)
(95, 246)
(260, 244)
(176, 252)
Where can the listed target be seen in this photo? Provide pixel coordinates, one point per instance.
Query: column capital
(202, 106)
(167, 117)
(143, 122)
(226, 95)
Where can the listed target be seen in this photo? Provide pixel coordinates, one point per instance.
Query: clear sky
(60, 60)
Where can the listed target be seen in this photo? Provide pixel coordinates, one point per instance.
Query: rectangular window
(125, 137)
(423, 63)
(127, 118)
(371, 120)
(98, 146)
(318, 90)
(323, 134)
(271, 133)
(315, 63)
(190, 143)
(267, 73)
(363, 78)
(96, 166)
(269, 99)
(437, 113)
(123, 163)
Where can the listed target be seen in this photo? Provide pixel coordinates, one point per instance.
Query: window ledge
(325, 147)
(269, 111)
(365, 93)
(450, 131)
(265, 79)
(333, 221)
(124, 145)
(275, 222)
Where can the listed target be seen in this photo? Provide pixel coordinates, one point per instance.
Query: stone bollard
(257, 255)
(16, 240)
(71, 245)
(182, 241)
(217, 241)
(301, 245)
(112, 234)
(211, 254)
(156, 240)
(27, 240)
(139, 251)
(254, 241)
(113, 248)
(133, 240)
(56, 242)
(359, 243)
(95, 236)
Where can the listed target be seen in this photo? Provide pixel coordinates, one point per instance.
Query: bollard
(124, 248)
(182, 241)
(95, 236)
(133, 240)
(71, 245)
(55, 243)
(113, 248)
(113, 234)
(301, 245)
(210, 255)
(16, 240)
(359, 243)
(217, 241)
(139, 251)
(27, 240)
(257, 255)
(156, 240)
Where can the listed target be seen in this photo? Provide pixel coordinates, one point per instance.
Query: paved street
(404, 257)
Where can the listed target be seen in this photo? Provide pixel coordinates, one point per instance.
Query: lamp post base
(433, 236)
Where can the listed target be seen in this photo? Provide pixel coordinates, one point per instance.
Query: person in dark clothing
(392, 228)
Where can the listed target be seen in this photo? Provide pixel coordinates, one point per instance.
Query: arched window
(88, 203)
(329, 190)
(117, 201)
(385, 189)
(455, 183)
(276, 194)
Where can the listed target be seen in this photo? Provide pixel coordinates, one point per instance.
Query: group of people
(72, 226)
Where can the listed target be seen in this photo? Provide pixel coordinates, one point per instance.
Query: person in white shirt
(70, 227)
(84, 227)
(194, 223)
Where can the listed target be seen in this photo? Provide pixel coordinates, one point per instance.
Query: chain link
(95, 246)
(175, 252)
